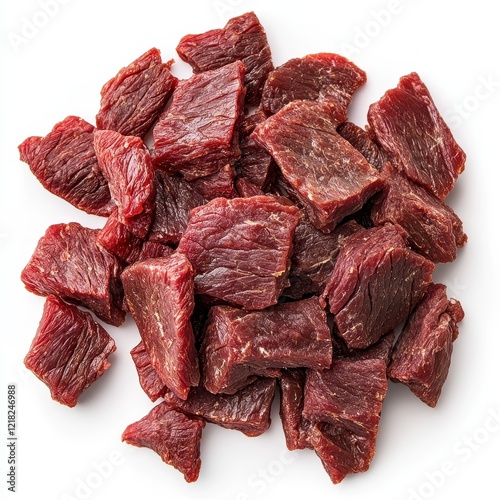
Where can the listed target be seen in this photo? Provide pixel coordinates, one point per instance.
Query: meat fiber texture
(160, 296)
(408, 125)
(196, 136)
(242, 39)
(70, 350)
(240, 249)
(133, 99)
(173, 435)
(330, 177)
(422, 355)
(376, 282)
(239, 345)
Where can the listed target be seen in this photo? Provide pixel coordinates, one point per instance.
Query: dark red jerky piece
(135, 97)
(375, 284)
(434, 230)
(242, 39)
(198, 134)
(160, 296)
(380, 350)
(240, 249)
(217, 185)
(408, 125)
(331, 178)
(247, 411)
(148, 378)
(363, 142)
(321, 76)
(238, 345)
(126, 163)
(171, 434)
(314, 254)
(175, 198)
(65, 163)
(118, 240)
(247, 189)
(255, 164)
(422, 355)
(296, 428)
(154, 249)
(67, 262)
(69, 352)
(344, 402)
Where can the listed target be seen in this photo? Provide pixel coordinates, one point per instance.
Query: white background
(58, 68)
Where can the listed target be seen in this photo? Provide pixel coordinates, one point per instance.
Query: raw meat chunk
(433, 228)
(331, 178)
(247, 189)
(344, 402)
(240, 249)
(408, 125)
(67, 262)
(153, 249)
(375, 284)
(295, 426)
(238, 345)
(125, 162)
(255, 163)
(198, 134)
(314, 254)
(160, 296)
(148, 378)
(69, 352)
(242, 39)
(173, 435)
(380, 350)
(64, 161)
(217, 185)
(248, 410)
(422, 354)
(135, 97)
(321, 76)
(363, 142)
(118, 240)
(174, 200)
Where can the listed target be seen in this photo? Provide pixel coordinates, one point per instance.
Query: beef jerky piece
(314, 254)
(242, 39)
(422, 355)
(255, 163)
(198, 135)
(126, 163)
(238, 345)
(118, 240)
(331, 178)
(135, 97)
(173, 435)
(64, 161)
(375, 283)
(148, 378)
(247, 189)
(248, 410)
(380, 350)
(69, 352)
(240, 249)
(295, 426)
(434, 230)
(345, 402)
(154, 249)
(408, 125)
(321, 76)
(363, 142)
(160, 296)
(174, 200)
(67, 262)
(217, 185)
